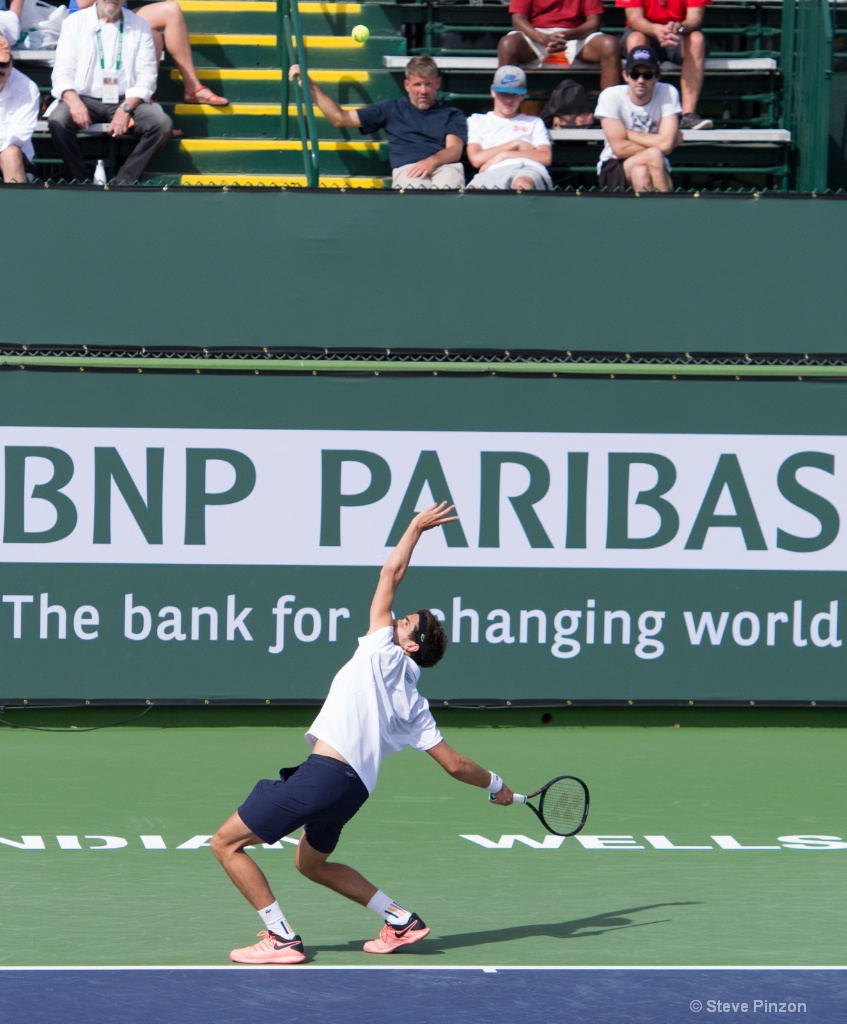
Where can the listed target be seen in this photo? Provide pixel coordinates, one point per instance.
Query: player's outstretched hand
(294, 71)
(435, 515)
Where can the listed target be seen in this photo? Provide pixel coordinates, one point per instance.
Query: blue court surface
(314, 995)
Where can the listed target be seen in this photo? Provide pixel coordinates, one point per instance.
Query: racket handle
(517, 798)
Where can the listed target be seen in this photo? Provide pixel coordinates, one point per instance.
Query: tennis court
(708, 847)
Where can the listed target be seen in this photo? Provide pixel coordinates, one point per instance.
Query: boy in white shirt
(641, 123)
(373, 709)
(509, 149)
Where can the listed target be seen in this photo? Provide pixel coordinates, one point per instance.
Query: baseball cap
(509, 79)
(642, 57)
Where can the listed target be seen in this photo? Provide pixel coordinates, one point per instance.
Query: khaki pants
(445, 176)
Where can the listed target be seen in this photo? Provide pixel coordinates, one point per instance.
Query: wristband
(496, 783)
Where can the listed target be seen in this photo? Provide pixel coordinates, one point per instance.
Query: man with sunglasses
(19, 103)
(641, 123)
(672, 29)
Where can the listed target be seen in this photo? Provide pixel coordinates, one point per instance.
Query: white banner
(332, 497)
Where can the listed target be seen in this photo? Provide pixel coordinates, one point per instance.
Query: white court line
(400, 967)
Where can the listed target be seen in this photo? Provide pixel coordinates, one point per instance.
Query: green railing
(292, 50)
(807, 74)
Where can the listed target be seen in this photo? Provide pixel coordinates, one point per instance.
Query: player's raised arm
(392, 573)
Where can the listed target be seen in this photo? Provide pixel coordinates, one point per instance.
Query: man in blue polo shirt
(425, 139)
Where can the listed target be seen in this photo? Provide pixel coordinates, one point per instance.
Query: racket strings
(563, 805)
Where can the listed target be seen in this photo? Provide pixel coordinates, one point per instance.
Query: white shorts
(503, 174)
(572, 49)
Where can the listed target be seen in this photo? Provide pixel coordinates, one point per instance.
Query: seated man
(508, 148)
(641, 123)
(671, 28)
(106, 70)
(544, 27)
(19, 104)
(171, 31)
(10, 20)
(425, 139)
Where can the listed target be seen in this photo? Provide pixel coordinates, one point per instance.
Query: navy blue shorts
(322, 793)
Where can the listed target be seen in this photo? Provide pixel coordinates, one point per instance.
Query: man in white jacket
(105, 71)
(19, 103)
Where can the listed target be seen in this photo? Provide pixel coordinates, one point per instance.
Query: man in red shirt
(541, 28)
(672, 30)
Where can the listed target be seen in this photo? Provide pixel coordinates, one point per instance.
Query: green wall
(240, 269)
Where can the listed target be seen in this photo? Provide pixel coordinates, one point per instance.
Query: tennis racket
(562, 806)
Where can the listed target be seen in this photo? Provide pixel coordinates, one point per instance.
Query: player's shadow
(580, 928)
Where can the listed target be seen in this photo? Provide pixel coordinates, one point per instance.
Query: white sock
(388, 910)
(274, 921)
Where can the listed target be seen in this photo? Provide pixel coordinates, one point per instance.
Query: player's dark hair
(430, 638)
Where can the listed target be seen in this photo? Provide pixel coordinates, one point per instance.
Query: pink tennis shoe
(271, 950)
(392, 937)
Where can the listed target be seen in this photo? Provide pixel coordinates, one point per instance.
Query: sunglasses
(648, 76)
(5, 64)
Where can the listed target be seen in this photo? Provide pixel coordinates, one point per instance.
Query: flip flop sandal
(204, 95)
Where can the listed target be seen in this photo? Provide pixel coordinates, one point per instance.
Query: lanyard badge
(111, 90)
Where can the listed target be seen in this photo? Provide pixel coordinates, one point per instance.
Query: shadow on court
(580, 928)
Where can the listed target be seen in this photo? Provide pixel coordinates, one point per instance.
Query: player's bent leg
(228, 845)
(341, 878)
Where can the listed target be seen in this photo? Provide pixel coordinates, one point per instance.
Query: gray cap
(509, 79)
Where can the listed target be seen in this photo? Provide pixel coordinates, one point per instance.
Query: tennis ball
(361, 33)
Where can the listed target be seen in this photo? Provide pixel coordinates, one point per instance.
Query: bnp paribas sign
(584, 566)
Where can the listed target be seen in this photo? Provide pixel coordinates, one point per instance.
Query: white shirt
(615, 102)
(489, 130)
(77, 63)
(19, 104)
(373, 707)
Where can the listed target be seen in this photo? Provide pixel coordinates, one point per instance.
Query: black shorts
(672, 54)
(322, 793)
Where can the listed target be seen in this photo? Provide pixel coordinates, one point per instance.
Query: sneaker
(271, 950)
(693, 122)
(392, 937)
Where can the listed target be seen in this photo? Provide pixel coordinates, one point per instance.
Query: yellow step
(244, 39)
(273, 145)
(263, 7)
(272, 75)
(246, 109)
(280, 180)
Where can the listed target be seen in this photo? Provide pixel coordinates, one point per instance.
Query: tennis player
(373, 709)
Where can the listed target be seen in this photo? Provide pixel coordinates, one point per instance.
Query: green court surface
(613, 899)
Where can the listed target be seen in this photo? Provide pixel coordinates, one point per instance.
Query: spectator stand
(235, 50)
(742, 90)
